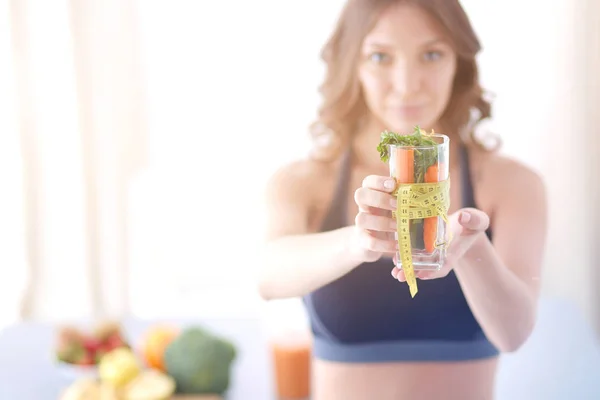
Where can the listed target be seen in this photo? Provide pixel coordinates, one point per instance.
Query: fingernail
(389, 184)
(465, 217)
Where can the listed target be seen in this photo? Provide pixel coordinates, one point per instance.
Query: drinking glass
(422, 184)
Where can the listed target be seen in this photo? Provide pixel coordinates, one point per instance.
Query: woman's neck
(364, 145)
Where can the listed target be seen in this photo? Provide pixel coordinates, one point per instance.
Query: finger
(398, 274)
(442, 273)
(401, 277)
(369, 241)
(390, 236)
(366, 197)
(375, 211)
(381, 183)
(473, 220)
(424, 275)
(375, 222)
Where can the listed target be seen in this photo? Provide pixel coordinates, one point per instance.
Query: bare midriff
(468, 380)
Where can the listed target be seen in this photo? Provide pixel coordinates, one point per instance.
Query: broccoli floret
(200, 361)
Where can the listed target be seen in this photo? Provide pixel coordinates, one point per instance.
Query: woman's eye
(378, 57)
(432, 55)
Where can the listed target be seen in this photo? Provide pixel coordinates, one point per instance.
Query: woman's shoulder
(303, 178)
(503, 168)
(505, 177)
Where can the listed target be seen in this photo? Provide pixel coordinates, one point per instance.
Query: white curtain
(79, 118)
(13, 225)
(586, 87)
(571, 139)
(128, 181)
(542, 58)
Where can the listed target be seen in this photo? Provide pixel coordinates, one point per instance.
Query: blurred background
(136, 138)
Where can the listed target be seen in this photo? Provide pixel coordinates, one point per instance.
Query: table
(560, 361)
(27, 371)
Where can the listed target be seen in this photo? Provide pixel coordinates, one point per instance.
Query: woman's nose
(407, 79)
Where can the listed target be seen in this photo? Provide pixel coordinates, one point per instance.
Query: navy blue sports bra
(368, 316)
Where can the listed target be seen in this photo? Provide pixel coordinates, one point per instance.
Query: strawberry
(114, 341)
(91, 344)
(104, 347)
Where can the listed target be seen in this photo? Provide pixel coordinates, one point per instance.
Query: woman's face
(407, 69)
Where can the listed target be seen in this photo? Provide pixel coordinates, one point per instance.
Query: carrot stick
(430, 225)
(405, 165)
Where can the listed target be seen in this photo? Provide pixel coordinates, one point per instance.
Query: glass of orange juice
(291, 355)
(290, 348)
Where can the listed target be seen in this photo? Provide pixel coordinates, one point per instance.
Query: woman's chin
(406, 127)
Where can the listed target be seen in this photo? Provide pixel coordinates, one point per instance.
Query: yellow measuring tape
(418, 201)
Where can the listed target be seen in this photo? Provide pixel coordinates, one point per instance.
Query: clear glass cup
(423, 164)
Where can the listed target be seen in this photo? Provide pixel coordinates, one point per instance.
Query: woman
(393, 65)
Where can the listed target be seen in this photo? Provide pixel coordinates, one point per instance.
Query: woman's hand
(374, 227)
(466, 226)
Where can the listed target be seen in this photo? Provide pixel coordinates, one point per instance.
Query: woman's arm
(501, 282)
(296, 261)
(294, 265)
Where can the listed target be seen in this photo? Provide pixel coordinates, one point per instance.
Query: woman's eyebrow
(382, 44)
(377, 43)
(434, 41)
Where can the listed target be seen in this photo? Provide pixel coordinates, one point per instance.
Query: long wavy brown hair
(343, 107)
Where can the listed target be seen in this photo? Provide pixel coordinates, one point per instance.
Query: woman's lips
(406, 111)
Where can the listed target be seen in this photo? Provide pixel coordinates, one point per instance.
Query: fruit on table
(71, 347)
(74, 353)
(154, 344)
(78, 347)
(89, 389)
(118, 367)
(84, 389)
(106, 329)
(200, 361)
(149, 385)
